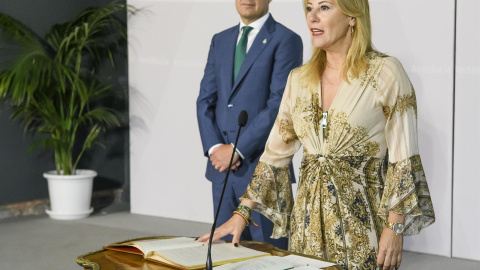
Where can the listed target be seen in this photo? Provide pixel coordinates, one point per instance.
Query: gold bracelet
(249, 221)
(240, 214)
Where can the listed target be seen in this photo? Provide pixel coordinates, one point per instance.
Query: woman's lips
(316, 32)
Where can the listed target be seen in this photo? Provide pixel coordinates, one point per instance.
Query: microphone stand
(241, 122)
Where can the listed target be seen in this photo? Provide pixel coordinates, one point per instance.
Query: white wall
(466, 204)
(169, 42)
(168, 48)
(420, 34)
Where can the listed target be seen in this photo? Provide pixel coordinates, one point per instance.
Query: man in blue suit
(247, 69)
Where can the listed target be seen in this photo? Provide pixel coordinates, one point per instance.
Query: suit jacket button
(230, 105)
(225, 133)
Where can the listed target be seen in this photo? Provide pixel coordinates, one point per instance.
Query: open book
(185, 253)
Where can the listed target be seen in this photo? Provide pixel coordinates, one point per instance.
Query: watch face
(398, 228)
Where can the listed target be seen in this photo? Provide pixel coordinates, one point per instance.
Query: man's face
(251, 10)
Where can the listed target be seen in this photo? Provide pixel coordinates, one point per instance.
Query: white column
(466, 181)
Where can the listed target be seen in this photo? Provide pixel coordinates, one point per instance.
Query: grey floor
(43, 243)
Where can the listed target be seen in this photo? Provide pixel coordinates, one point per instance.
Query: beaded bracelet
(240, 214)
(246, 213)
(247, 220)
(246, 208)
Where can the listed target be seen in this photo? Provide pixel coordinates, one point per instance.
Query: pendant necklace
(323, 124)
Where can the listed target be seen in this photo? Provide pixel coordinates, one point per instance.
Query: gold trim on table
(265, 247)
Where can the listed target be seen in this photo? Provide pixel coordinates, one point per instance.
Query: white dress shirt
(257, 25)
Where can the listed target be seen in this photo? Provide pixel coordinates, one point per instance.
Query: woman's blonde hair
(356, 59)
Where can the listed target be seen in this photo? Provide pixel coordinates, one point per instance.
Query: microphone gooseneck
(242, 121)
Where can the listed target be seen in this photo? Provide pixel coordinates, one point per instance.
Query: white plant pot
(70, 195)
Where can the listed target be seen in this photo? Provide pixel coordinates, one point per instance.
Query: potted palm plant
(52, 86)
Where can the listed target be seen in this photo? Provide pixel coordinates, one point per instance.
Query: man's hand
(220, 158)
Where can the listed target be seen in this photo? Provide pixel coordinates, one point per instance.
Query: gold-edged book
(185, 252)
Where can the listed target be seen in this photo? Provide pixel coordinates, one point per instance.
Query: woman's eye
(309, 9)
(324, 7)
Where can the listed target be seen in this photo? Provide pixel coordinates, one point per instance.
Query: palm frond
(52, 84)
(16, 30)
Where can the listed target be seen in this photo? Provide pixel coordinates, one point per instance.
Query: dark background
(20, 171)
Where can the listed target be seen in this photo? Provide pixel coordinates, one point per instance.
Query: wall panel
(412, 31)
(466, 187)
(169, 42)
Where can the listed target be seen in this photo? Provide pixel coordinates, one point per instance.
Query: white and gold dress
(355, 169)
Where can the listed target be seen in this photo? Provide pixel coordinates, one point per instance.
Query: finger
(399, 260)
(219, 233)
(380, 259)
(236, 239)
(214, 162)
(393, 262)
(386, 263)
(238, 163)
(204, 237)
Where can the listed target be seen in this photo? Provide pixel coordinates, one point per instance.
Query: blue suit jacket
(258, 89)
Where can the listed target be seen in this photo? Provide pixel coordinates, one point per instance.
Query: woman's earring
(352, 29)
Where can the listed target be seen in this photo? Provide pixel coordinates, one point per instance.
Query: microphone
(242, 121)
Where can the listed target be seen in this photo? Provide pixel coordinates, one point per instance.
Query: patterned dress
(362, 165)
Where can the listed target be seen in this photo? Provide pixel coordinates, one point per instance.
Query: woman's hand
(389, 250)
(390, 245)
(234, 226)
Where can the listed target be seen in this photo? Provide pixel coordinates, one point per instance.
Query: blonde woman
(362, 186)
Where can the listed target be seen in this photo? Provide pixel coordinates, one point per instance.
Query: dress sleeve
(270, 186)
(406, 191)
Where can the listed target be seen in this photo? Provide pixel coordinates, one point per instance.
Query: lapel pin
(264, 41)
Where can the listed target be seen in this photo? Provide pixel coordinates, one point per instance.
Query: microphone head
(242, 118)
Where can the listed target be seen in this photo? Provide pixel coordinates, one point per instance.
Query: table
(109, 259)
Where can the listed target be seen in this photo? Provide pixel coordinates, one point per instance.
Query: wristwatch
(397, 228)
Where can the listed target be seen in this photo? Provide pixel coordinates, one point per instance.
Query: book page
(194, 256)
(162, 244)
(305, 268)
(143, 247)
(304, 261)
(262, 263)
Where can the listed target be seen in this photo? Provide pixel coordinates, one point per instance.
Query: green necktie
(241, 51)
